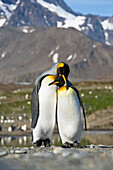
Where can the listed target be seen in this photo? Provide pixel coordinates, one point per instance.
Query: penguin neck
(52, 77)
(62, 88)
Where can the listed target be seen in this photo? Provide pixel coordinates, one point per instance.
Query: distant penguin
(69, 117)
(43, 106)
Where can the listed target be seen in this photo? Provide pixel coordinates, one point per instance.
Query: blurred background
(34, 35)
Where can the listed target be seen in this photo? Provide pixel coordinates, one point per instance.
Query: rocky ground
(88, 157)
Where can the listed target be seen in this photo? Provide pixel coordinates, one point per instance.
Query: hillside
(27, 51)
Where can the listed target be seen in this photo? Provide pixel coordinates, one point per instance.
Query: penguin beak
(54, 82)
(60, 81)
(64, 78)
(65, 81)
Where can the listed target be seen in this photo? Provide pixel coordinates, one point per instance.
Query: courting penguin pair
(54, 97)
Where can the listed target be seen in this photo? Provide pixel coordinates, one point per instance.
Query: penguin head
(59, 81)
(63, 69)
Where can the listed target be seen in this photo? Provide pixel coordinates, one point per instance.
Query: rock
(18, 151)
(12, 151)
(57, 150)
(3, 152)
(92, 146)
(103, 146)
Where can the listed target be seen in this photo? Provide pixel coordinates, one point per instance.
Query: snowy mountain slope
(47, 13)
(6, 9)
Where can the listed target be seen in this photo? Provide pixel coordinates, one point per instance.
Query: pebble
(18, 151)
(57, 150)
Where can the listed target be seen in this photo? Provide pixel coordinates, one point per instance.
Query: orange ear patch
(60, 65)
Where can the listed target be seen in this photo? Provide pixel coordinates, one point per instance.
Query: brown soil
(102, 119)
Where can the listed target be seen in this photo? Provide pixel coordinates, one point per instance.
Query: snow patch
(22, 22)
(57, 9)
(107, 25)
(17, 2)
(51, 53)
(32, 30)
(45, 17)
(90, 26)
(3, 54)
(57, 47)
(84, 59)
(3, 7)
(25, 30)
(94, 46)
(55, 58)
(2, 21)
(70, 57)
(85, 28)
(7, 9)
(75, 22)
(59, 24)
(74, 56)
(106, 38)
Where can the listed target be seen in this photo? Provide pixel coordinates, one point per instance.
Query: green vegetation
(85, 141)
(95, 96)
(15, 102)
(96, 99)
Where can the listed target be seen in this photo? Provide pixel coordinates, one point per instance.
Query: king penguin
(69, 109)
(43, 106)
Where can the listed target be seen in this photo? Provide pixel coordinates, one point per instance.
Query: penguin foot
(67, 145)
(47, 142)
(38, 143)
(76, 144)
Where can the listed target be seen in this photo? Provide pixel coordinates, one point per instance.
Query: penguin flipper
(81, 104)
(35, 100)
(34, 107)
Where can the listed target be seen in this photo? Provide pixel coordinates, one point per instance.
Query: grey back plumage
(34, 107)
(51, 71)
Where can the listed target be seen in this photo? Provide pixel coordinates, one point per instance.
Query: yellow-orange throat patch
(52, 77)
(62, 88)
